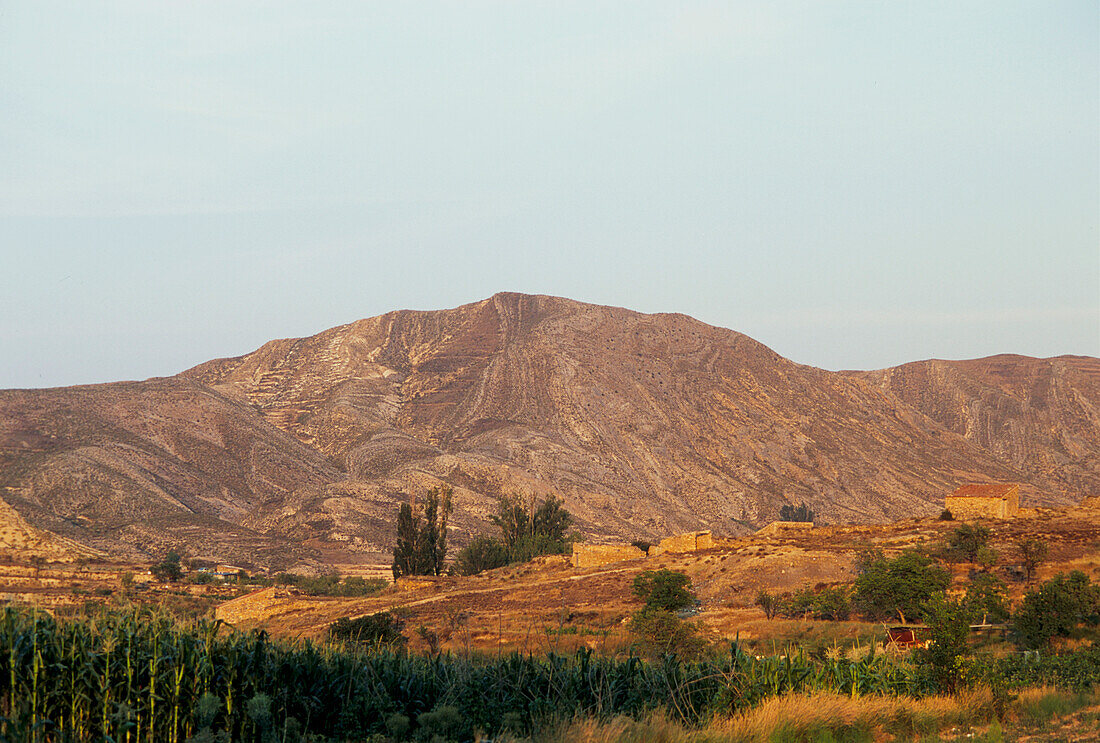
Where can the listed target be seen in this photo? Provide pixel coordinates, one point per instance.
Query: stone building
(593, 555)
(985, 501)
(692, 541)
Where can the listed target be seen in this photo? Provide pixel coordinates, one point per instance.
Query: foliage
(987, 599)
(641, 544)
(1033, 552)
(484, 553)
(802, 512)
(373, 630)
(829, 602)
(169, 569)
(1055, 609)
(886, 587)
(525, 533)
(530, 531)
(664, 590)
(946, 515)
(332, 585)
(767, 601)
(986, 557)
(141, 673)
(421, 545)
(949, 626)
(660, 633)
(964, 543)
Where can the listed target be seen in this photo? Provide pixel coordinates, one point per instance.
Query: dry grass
(833, 718)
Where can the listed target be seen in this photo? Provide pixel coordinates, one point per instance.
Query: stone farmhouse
(985, 501)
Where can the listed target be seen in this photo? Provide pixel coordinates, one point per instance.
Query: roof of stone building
(986, 490)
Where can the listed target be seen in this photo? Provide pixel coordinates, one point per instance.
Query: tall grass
(141, 676)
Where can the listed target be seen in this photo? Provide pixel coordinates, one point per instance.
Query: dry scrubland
(547, 604)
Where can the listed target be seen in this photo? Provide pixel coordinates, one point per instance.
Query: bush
(886, 587)
(665, 590)
(373, 630)
(1055, 609)
(827, 603)
(484, 553)
(659, 632)
(946, 515)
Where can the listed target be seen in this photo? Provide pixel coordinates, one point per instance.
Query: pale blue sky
(854, 184)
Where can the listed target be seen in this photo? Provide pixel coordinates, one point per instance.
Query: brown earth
(548, 604)
(646, 425)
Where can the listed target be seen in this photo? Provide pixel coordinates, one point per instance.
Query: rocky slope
(645, 424)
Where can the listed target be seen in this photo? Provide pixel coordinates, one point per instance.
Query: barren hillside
(645, 424)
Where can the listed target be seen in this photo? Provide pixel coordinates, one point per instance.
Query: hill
(645, 424)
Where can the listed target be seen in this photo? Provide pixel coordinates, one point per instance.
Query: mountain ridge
(645, 423)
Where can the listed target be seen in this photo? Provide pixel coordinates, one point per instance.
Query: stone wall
(249, 606)
(692, 541)
(965, 507)
(592, 555)
(785, 527)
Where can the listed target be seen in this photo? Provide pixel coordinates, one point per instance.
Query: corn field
(142, 677)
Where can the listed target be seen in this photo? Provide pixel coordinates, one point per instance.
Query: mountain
(645, 424)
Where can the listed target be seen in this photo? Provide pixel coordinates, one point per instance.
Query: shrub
(830, 603)
(380, 629)
(903, 584)
(659, 632)
(484, 553)
(1055, 609)
(946, 515)
(664, 589)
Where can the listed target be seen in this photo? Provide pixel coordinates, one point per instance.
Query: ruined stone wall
(692, 541)
(593, 555)
(249, 606)
(785, 527)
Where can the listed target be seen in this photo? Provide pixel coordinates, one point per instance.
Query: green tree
(528, 532)
(987, 599)
(791, 513)
(966, 542)
(432, 539)
(484, 553)
(169, 569)
(885, 587)
(421, 544)
(406, 552)
(659, 633)
(1033, 552)
(948, 652)
(513, 521)
(664, 589)
(767, 601)
(1055, 609)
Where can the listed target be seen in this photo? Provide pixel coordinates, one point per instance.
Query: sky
(854, 184)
